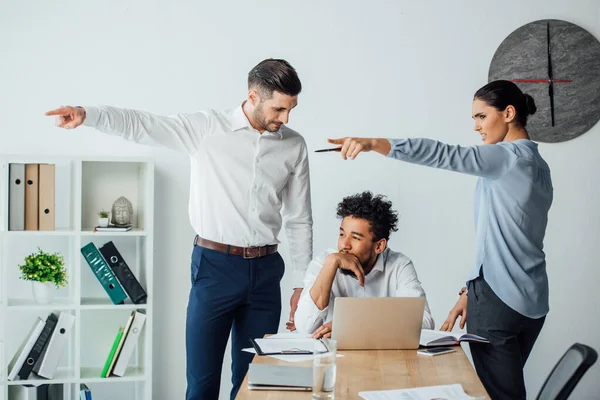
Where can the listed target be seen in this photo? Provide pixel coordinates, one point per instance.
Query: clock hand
(550, 77)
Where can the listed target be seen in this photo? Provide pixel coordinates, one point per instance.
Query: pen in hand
(325, 150)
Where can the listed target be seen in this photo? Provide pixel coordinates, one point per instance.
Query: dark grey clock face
(523, 57)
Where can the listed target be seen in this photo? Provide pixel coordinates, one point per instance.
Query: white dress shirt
(392, 276)
(242, 183)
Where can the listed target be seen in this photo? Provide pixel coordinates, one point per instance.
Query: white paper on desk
(291, 335)
(288, 358)
(286, 345)
(446, 392)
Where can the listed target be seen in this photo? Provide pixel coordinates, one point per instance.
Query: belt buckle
(246, 252)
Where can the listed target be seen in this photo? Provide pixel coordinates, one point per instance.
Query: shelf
(102, 304)
(83, 187)
(28, 304)
(92, 375)
(62, 375)
(132, 232)
(57, 232)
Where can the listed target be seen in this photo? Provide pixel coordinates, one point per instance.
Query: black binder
(132, 286)
(38, 347)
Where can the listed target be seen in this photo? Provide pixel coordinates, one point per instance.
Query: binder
(38, 347)
(23, 392)
(104, 274)
(132, 286)
(111, 354)
(130, 343)
(31, 197)
(16, 202)
(84, 392)
(46, 197)
(17, 362)
(48, 361)
(120, 345)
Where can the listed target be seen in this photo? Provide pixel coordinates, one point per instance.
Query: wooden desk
(365, 370)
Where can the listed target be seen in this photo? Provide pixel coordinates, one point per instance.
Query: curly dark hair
(375, 209)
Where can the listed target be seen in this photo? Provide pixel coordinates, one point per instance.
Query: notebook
(440, 338)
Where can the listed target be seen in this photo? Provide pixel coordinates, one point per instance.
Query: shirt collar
(381, 259)
(238, 120)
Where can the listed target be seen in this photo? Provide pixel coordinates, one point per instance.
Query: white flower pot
(103, 222)
(43, 292)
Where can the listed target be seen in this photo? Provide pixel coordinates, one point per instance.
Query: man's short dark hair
(272, 74)
(375, 209)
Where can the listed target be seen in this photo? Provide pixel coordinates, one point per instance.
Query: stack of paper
(446, 392)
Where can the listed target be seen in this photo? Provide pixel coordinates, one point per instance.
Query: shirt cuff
(393, 143)
(92, 115)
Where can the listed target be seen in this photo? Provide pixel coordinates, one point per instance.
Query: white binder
(16, 203)
(22, 392)
(130, 342)
(48, 361)
(19, 358)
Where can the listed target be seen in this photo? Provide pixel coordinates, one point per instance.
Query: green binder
(104, 373)
(104, 274)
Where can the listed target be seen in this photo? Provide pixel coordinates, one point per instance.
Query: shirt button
(257, 161)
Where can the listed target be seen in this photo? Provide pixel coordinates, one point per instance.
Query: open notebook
(439, 338)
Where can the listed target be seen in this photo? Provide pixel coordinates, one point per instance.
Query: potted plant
(103, 220)
(43, 270)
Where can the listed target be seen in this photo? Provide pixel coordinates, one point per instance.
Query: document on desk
(287, 346)
(446, 392)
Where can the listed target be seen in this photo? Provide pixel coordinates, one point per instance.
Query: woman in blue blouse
(507, 288)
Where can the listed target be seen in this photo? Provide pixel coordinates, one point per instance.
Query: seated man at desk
(364, 266)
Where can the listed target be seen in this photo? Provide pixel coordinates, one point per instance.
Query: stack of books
(42, 348)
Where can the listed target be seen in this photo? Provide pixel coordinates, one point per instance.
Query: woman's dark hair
(501, 94)
(382, 219)
(272, 74)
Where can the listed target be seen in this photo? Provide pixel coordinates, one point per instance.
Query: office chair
(567, 372)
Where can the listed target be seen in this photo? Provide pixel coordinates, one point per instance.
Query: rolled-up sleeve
(308, 317)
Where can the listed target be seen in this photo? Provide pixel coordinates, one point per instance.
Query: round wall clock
(558, 64)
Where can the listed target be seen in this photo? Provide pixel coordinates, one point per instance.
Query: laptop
(383, 323)
(279, 377)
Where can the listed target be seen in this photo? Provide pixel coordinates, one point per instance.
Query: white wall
(377, 68)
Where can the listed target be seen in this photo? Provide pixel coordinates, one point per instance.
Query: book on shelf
(112, 228)
(123, 346)
(38, 347)
(115, 260)
(84, 392)
(31, 204)
(36, 392)
(111, 354)
(19, 358)
(48, 361)
(440, 338)
(131, 341)
(103, 273)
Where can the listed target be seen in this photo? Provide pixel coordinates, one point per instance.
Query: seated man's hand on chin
(323, 332)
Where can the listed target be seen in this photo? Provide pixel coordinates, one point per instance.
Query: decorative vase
(103, 222)
(43, 292)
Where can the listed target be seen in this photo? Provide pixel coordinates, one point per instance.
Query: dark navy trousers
(228, 294)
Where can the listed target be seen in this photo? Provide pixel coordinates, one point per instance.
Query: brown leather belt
(246, 252)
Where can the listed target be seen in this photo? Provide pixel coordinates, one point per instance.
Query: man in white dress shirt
(363, 266)
(249, 171)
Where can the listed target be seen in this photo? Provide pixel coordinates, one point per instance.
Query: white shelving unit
(83, 187)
